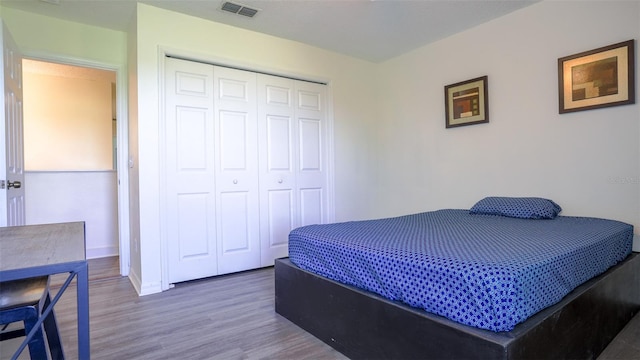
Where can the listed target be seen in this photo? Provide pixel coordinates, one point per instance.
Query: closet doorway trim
(165, 52)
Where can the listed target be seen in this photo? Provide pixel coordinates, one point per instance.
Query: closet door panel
(234, 223)
(245, 163)
(279, 151)
(311, 207)
(279, 184)
(193, 215)
(189, 165)
(311, 119)
(237, 180)
(235, 134)
(278, 154)
(280, 217)
(310, 148)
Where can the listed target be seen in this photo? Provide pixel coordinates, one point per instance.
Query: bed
(505, 279)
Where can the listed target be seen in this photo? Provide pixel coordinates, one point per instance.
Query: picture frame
(467, 102)
(597, 78)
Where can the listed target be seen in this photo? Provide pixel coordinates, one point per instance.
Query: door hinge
(1, 184)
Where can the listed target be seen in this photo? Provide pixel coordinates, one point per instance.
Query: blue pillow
(518, 207)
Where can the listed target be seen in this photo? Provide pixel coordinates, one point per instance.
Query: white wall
(68, 196)
(586, 161)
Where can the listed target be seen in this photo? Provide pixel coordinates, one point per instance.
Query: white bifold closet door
(292, 117)
(245, 164)
(189, 145)
(237, 185)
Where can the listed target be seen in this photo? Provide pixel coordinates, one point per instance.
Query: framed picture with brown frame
(467, 102)
(597, 78)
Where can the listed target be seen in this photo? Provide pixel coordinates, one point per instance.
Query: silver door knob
(14, 184)
(280, 181)
(235, 181)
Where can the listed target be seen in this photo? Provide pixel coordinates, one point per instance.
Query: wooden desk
(36, 250)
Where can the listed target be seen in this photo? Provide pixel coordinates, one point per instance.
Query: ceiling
(372, 30)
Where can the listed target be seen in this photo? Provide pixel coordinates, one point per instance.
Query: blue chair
(24, 300)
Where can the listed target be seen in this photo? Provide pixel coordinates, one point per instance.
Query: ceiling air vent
(238, 9)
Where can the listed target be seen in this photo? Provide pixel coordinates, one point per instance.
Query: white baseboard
(95, 253)
(143, 289)
(135, 281)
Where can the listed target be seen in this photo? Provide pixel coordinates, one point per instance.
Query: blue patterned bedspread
(486, 271)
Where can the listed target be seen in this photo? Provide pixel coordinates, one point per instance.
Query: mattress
(487, 271)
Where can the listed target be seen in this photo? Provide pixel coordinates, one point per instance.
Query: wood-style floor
(226, 317)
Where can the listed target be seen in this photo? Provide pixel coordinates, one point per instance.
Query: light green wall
(50, 39)
(352, 83)
(587, 161)
(133, 158)
(38, 35)
(392, 153)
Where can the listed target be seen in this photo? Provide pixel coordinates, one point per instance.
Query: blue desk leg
(83, 312)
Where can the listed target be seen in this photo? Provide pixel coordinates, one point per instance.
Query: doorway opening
(71, 150)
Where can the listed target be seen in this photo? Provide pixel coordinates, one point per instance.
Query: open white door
(12, 211)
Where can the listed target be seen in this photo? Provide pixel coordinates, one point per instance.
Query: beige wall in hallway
(68, 117)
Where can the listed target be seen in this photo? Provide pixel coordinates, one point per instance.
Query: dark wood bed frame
(362, 325)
